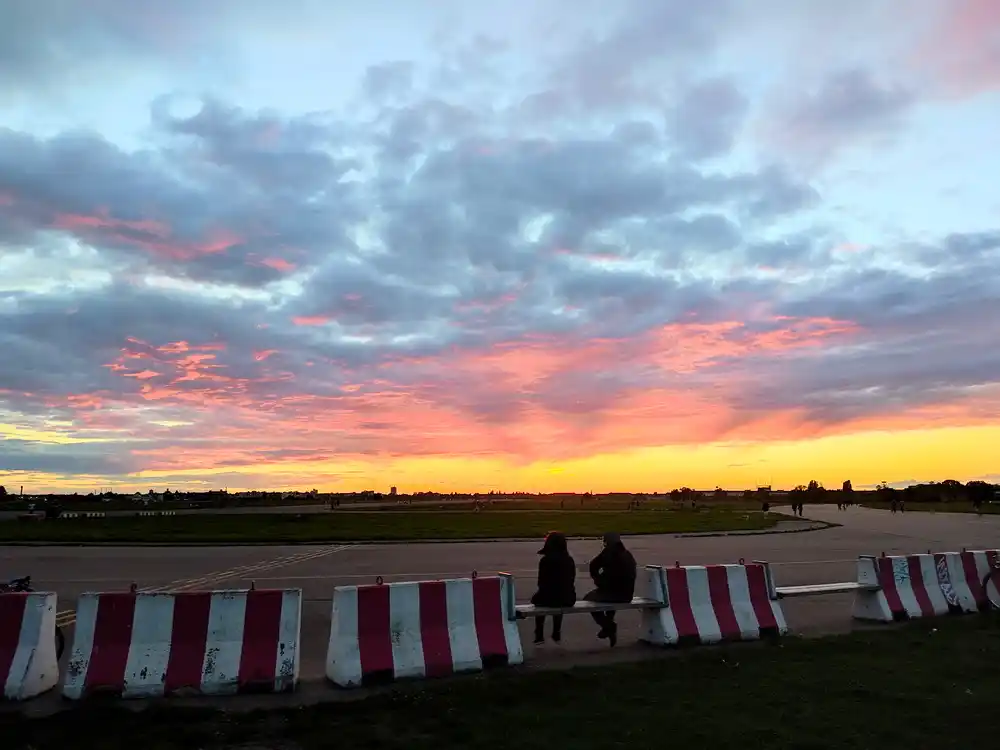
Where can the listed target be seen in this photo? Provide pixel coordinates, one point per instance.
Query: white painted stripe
(83, 646)
(960, 582)
(36, 608)
(287, 653)
(149, 651)
(904, 585)
(657, 582)
(343, 654)
(404, 630)
(779, 615)
(26, 638)
(224, 646)
(465, 656)
(658, 627)
(701, 604)
(511, 633)
(982, 564)
(928, 571)
(870, 605)
(739, 594)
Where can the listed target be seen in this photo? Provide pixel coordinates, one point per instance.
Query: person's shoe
(604, 633)
(556, 637)
(539, 639)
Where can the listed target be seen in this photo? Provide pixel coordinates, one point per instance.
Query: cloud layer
(466, 257)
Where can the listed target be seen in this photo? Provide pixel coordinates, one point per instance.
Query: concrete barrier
(392, 631)
(28, 663)
(138, 645)
(912, 586)
(709, 604)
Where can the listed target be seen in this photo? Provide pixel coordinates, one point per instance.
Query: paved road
(800, 558)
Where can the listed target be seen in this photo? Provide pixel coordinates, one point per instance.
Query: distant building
(392, 492)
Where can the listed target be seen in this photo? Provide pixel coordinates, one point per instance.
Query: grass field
(598, 502)
(933, 684)
(376, 526)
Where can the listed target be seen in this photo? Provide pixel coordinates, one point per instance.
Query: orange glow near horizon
(537, 416)
(866, 458)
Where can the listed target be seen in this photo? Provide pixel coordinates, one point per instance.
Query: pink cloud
(151, 236)
(311, 320)
(542, 398)
(961, 49)
(278, 264)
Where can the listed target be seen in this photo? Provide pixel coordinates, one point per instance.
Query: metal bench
(816, 589)
(530, 610)
(515, 611)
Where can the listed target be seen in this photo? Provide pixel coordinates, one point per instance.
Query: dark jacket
(613, 571)
(556, 574)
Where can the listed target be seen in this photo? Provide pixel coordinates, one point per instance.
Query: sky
(454, 246)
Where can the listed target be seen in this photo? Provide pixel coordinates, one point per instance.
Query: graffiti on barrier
(944, 581)
(900, 570)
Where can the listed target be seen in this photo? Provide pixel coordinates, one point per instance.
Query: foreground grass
(376, 526)
(928, 685)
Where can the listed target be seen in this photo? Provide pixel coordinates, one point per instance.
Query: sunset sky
(533, 245)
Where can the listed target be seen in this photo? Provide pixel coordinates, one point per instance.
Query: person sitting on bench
(556, 583)
(613, 571)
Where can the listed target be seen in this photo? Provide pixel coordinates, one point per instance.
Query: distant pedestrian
(556, 583)
(892, 506)
(613, 572)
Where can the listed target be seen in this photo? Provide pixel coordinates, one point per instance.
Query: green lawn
(933, 684)
(358, 526)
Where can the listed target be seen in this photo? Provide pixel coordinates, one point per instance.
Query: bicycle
(991, 586)
(23, 585)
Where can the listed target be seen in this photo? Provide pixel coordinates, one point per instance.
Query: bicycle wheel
(991, 585)
(60, 642)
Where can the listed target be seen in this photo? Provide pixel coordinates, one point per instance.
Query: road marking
(68, 617)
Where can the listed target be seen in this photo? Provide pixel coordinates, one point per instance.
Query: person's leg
(540, 629)
(557, 628)
(601, 618)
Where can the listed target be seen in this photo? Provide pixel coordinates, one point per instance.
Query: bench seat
(785, 592)
(530, 610)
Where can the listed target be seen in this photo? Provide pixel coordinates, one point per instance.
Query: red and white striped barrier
(28, 663)
(139, 645)
(392, 631)
(709, 604)
(931, 585)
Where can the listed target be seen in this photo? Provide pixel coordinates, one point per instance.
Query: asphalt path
(823, 556)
